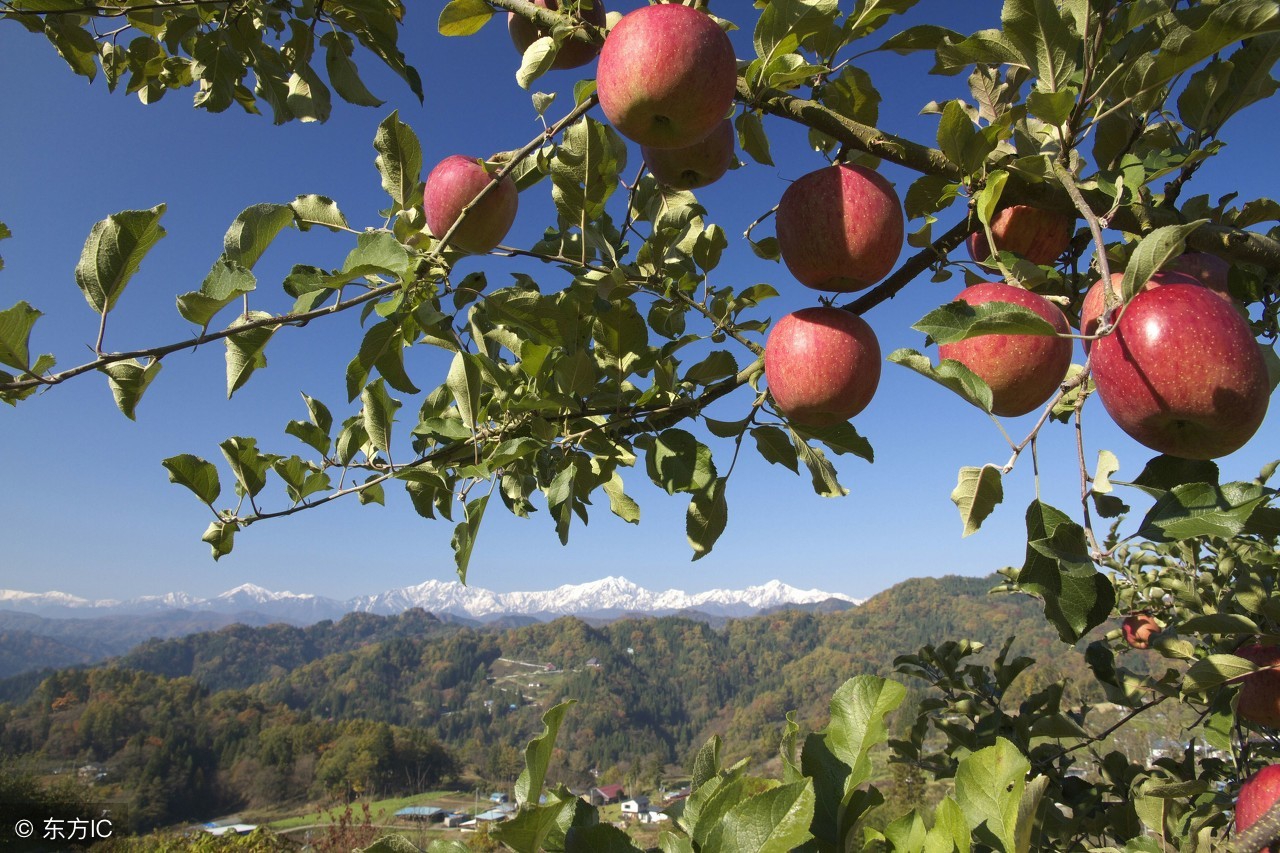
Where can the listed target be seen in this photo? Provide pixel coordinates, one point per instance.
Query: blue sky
(87, 506)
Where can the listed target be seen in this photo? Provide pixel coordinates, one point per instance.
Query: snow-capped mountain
(609, 596)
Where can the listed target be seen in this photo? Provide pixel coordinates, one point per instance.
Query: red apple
(1038, 235)
(1257, 795)
(573, 53)
(1095, 302)
(1023, 371)
(667, 76)
(696, 166)
(1212, 270)
(840, 228)
(822, 365)
(1182, 373)
(1259, 700)
(451, 186)
(1139, 629)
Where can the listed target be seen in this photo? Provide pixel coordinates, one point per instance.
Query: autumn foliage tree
(1097, 111)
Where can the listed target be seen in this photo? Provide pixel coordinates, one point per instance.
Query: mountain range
(601, 598)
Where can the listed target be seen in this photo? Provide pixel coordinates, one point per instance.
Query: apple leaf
(821, 471)
(752, 138)
(252, 232)
(775, 447)
(343, 73)
(976, 494)
(1153, 252)
(1038, 31)
(536, 61)
(841, 438)
(399, 161)
(221, 537)
(1058, 569)
(247, 464)
(244, 350)
(1214, 671)
(198, 475)
(988, 198)
(309, 210)
(620, 503)
(774, 821)
(678, 462)
(950, 374)
(463, 17)
(707, 518)
(958, 321)
(464, 535)
(989, 786)
(537, 755)
(128, 380)
(15, 333)
(226, 281)
(378, 411)
(1193, 510)
(113, 252)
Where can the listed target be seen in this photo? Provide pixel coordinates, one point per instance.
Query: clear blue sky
(87, 507)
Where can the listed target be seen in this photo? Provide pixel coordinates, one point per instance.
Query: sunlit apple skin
(451, 186)
(840, 228)
(1182, 373)
(667, 76)
(822, 365)
(1259, 700)
(1040, 236)
(1095, 301)
(573, 53)
(696, 166)
(1139, 629)
(1257, 795)
(1023, 371)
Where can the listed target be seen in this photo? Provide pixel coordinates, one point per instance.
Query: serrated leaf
(536, 60)
(463, 17)
(840, 438)
(988, 198)
(1214, 671)
(378, 411)
(1038, 31)
(129, 380)
(1108, 464)
(464, 535)
(252, 232)
(678, 462)
(537, 755)
(198, 475)
(464, 383)
(989, 787)
(1058, 569)
(620, 503)
(227, 281)
(776, 447)
(113, 252)
(1194, 510)
(976, 494)
(399, 161)
(707, 517)
(958, 321)
(776, 821)
(245, 350)
(600, 838)
(821, 471)
(950, 374)
(247, 464)
(308, 97)
(752, 138)
(221, 537)
(15, 333)
(343, 73)
(309, 210)
(1153, 252)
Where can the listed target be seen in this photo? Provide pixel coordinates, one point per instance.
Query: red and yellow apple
(822, 365)
(1139, 629)
(1182, 373)
(840, 228)
(667, 76)
(1038, 235)
(573, 53)
(1259, 700)
(1257, 795)
(1023, 371)
(451, 186)
(1095, 301)
(696, 165)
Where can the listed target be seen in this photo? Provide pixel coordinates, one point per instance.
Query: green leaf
(989, 786)
(308, 97)
(950, 374)
(1077, 597)
(821, 471)
(775, 821)
(1219, 623)
(841, 438)
(601, 838)
(678, 462)
(378, 411)
(128, 381)
(400, 844)
(1214, 671)
(976, 494)
(1193, 510)
(958, 321)
(252, 232)
(950, 829)
(1152, 253)
(464, 383)
(343, 73)
(309, 210)
(247, 464)
(15, 333)
(859, 708)
(988, 198)
(221, 537)
(464, 17)
(73, 43)
(198, 475)
(955, 136)
(1038, 31)
(301, 479)
(227, 281)
(620, 503)
(752, 138)
(775, 446)
(464, 535)
(244, 350)
(707, 517)
(113, 252)
(537, 755)
(785, 24)
(536, 60)
(399, 161)
(383, 348)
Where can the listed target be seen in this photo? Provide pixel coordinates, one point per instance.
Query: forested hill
(650, 690)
